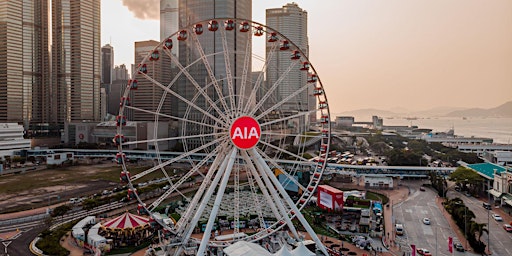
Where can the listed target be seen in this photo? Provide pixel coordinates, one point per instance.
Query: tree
(478, 229)
(60, 210)
(464, 176)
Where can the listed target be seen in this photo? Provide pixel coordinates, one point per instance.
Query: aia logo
(245, 132)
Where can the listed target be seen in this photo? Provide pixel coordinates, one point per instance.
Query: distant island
(503, 110)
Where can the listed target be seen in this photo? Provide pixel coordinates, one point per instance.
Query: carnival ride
(219, 106)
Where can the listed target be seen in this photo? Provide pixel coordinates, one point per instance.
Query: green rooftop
(487, 169)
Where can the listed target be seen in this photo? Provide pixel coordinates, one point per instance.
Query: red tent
(126, 221)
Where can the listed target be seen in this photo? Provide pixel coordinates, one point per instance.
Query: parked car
(426, 221)
(423, 252)
(496, 217)
(458, 247)
(507, 227)
(486, 206)
(422, 188)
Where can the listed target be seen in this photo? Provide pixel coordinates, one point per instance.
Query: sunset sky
(408, 54)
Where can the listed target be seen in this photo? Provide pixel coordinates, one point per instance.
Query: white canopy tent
(243, 248)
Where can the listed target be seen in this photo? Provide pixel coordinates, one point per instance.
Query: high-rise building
(76, 74)
(107, 64)
(169, 15)
(24, 63)
(148, 95)
(291, 21)
(190, 13)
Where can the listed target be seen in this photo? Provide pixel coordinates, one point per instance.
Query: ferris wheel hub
(245, 132)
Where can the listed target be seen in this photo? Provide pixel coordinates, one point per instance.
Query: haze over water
(500, 129)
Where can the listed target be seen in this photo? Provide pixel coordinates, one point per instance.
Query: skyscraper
(148, 95)
(24, 63)
(193, 11)
(76, 73)
(107, 64)
(169, 15)
(291, 21)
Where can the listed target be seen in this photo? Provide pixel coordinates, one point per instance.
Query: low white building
(499, 157)
(11, 139)
(59, 158)
(378, 182)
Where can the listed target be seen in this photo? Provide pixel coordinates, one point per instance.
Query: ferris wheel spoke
(285, 118)
(262, 187)
(177, 138)
(257, 85)
(264, 171)
(273, 88)
(281, 168)
(288, 153)
(286, 99)
(211, 74)
(185, 100)
(174, 186)
(247, 62)
(182, 156)
(198, 88)
(258, 206)
(202, 188)
(227, 66)
(172, 117)
(268, 173)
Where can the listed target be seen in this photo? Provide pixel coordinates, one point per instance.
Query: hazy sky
(412, 54)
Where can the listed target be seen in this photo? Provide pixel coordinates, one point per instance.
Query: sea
(499, 129)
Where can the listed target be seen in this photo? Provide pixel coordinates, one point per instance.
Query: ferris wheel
(252, 133)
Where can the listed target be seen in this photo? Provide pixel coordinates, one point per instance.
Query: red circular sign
(245, 132)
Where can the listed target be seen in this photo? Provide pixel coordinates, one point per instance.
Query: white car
(496, 217)
(426, 221)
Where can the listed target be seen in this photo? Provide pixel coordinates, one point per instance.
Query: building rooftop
(487, 169)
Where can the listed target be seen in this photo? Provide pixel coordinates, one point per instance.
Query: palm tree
(478, 228)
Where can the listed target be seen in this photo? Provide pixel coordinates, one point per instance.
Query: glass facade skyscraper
(76, 74)
(24, 63)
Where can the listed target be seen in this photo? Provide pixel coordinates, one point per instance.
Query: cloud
(144, 9)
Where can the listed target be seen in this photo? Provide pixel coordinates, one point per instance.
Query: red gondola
(198, 29)
(322, 105)
(259, 31)
(305, 66)
(155, 55)
(143, 69)
(295, 55)
(125, 101)
(229, 24)
(132, 193)
(323, 149)
(124, 177)
(324, 119)
(141, 210)
(312, 78)
(272, 38)
(168, 43)
(311, 189)
(182, 35)
(318, 91)
(213, 25)
(120, 157)
(325, 133)
(285, 45)
(244, 26)
(118, 139)
(120, 120)
(132, 84)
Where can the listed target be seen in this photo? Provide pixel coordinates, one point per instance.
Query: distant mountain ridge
(504, 110)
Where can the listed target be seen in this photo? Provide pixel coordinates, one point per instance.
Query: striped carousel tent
(127, 221)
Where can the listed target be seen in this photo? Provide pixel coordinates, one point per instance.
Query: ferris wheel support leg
(218, 200)
(299, 215)
(204, 202)
(262, 187)
(261, 167)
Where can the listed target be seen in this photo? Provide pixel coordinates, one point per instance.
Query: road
(419, 205)
(500, 240)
